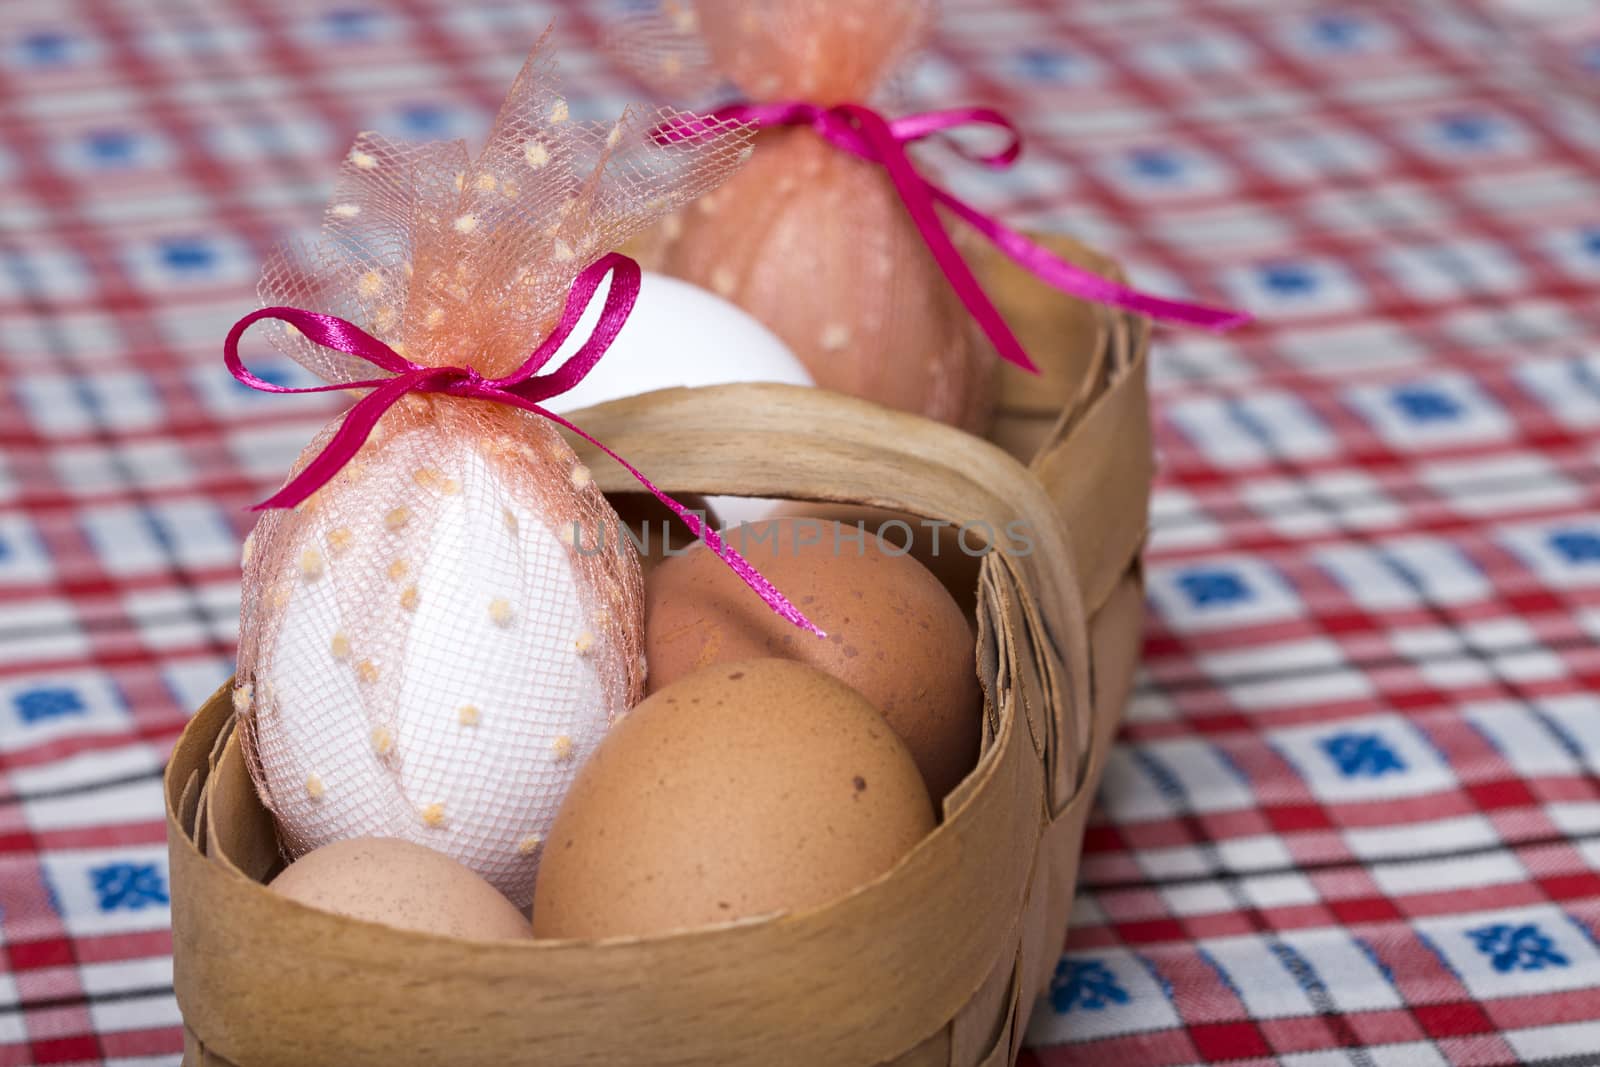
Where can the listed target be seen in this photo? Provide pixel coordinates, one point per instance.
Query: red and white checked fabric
(1354, 818)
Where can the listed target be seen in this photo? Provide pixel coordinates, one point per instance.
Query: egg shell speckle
(744, 789)
(386, 880)
(894, 632)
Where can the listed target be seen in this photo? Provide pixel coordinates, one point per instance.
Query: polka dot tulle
(814, 242)
(439, 678)
(432, 643)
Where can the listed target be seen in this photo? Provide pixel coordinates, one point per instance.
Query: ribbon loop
(523, 388)
(928, 123)
(863, 132)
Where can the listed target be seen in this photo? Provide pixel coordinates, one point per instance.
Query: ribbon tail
(347, 441)
(737, 563)
(1074, 280)
(916, 192)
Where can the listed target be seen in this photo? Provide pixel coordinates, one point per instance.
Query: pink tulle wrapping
(366, 634)
(813, 242)
(822, 51)
(427, 650)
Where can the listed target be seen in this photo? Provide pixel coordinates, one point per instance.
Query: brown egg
(935, 545)
(385, 880)
(894, 632)
(744, 789)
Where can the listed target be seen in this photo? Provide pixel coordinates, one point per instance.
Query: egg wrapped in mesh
(811, 240)
(433, 641)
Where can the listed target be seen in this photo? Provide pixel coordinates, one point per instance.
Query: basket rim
(980, 775)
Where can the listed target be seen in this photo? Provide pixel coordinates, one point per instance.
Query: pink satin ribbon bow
(523, 388)
(865, 133)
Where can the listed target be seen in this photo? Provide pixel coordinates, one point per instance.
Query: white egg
(439, 687)
(679, 334)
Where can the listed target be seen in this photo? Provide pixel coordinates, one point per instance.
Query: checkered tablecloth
(1354, 818)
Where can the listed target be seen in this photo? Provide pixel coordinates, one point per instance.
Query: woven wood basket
(938, 962)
